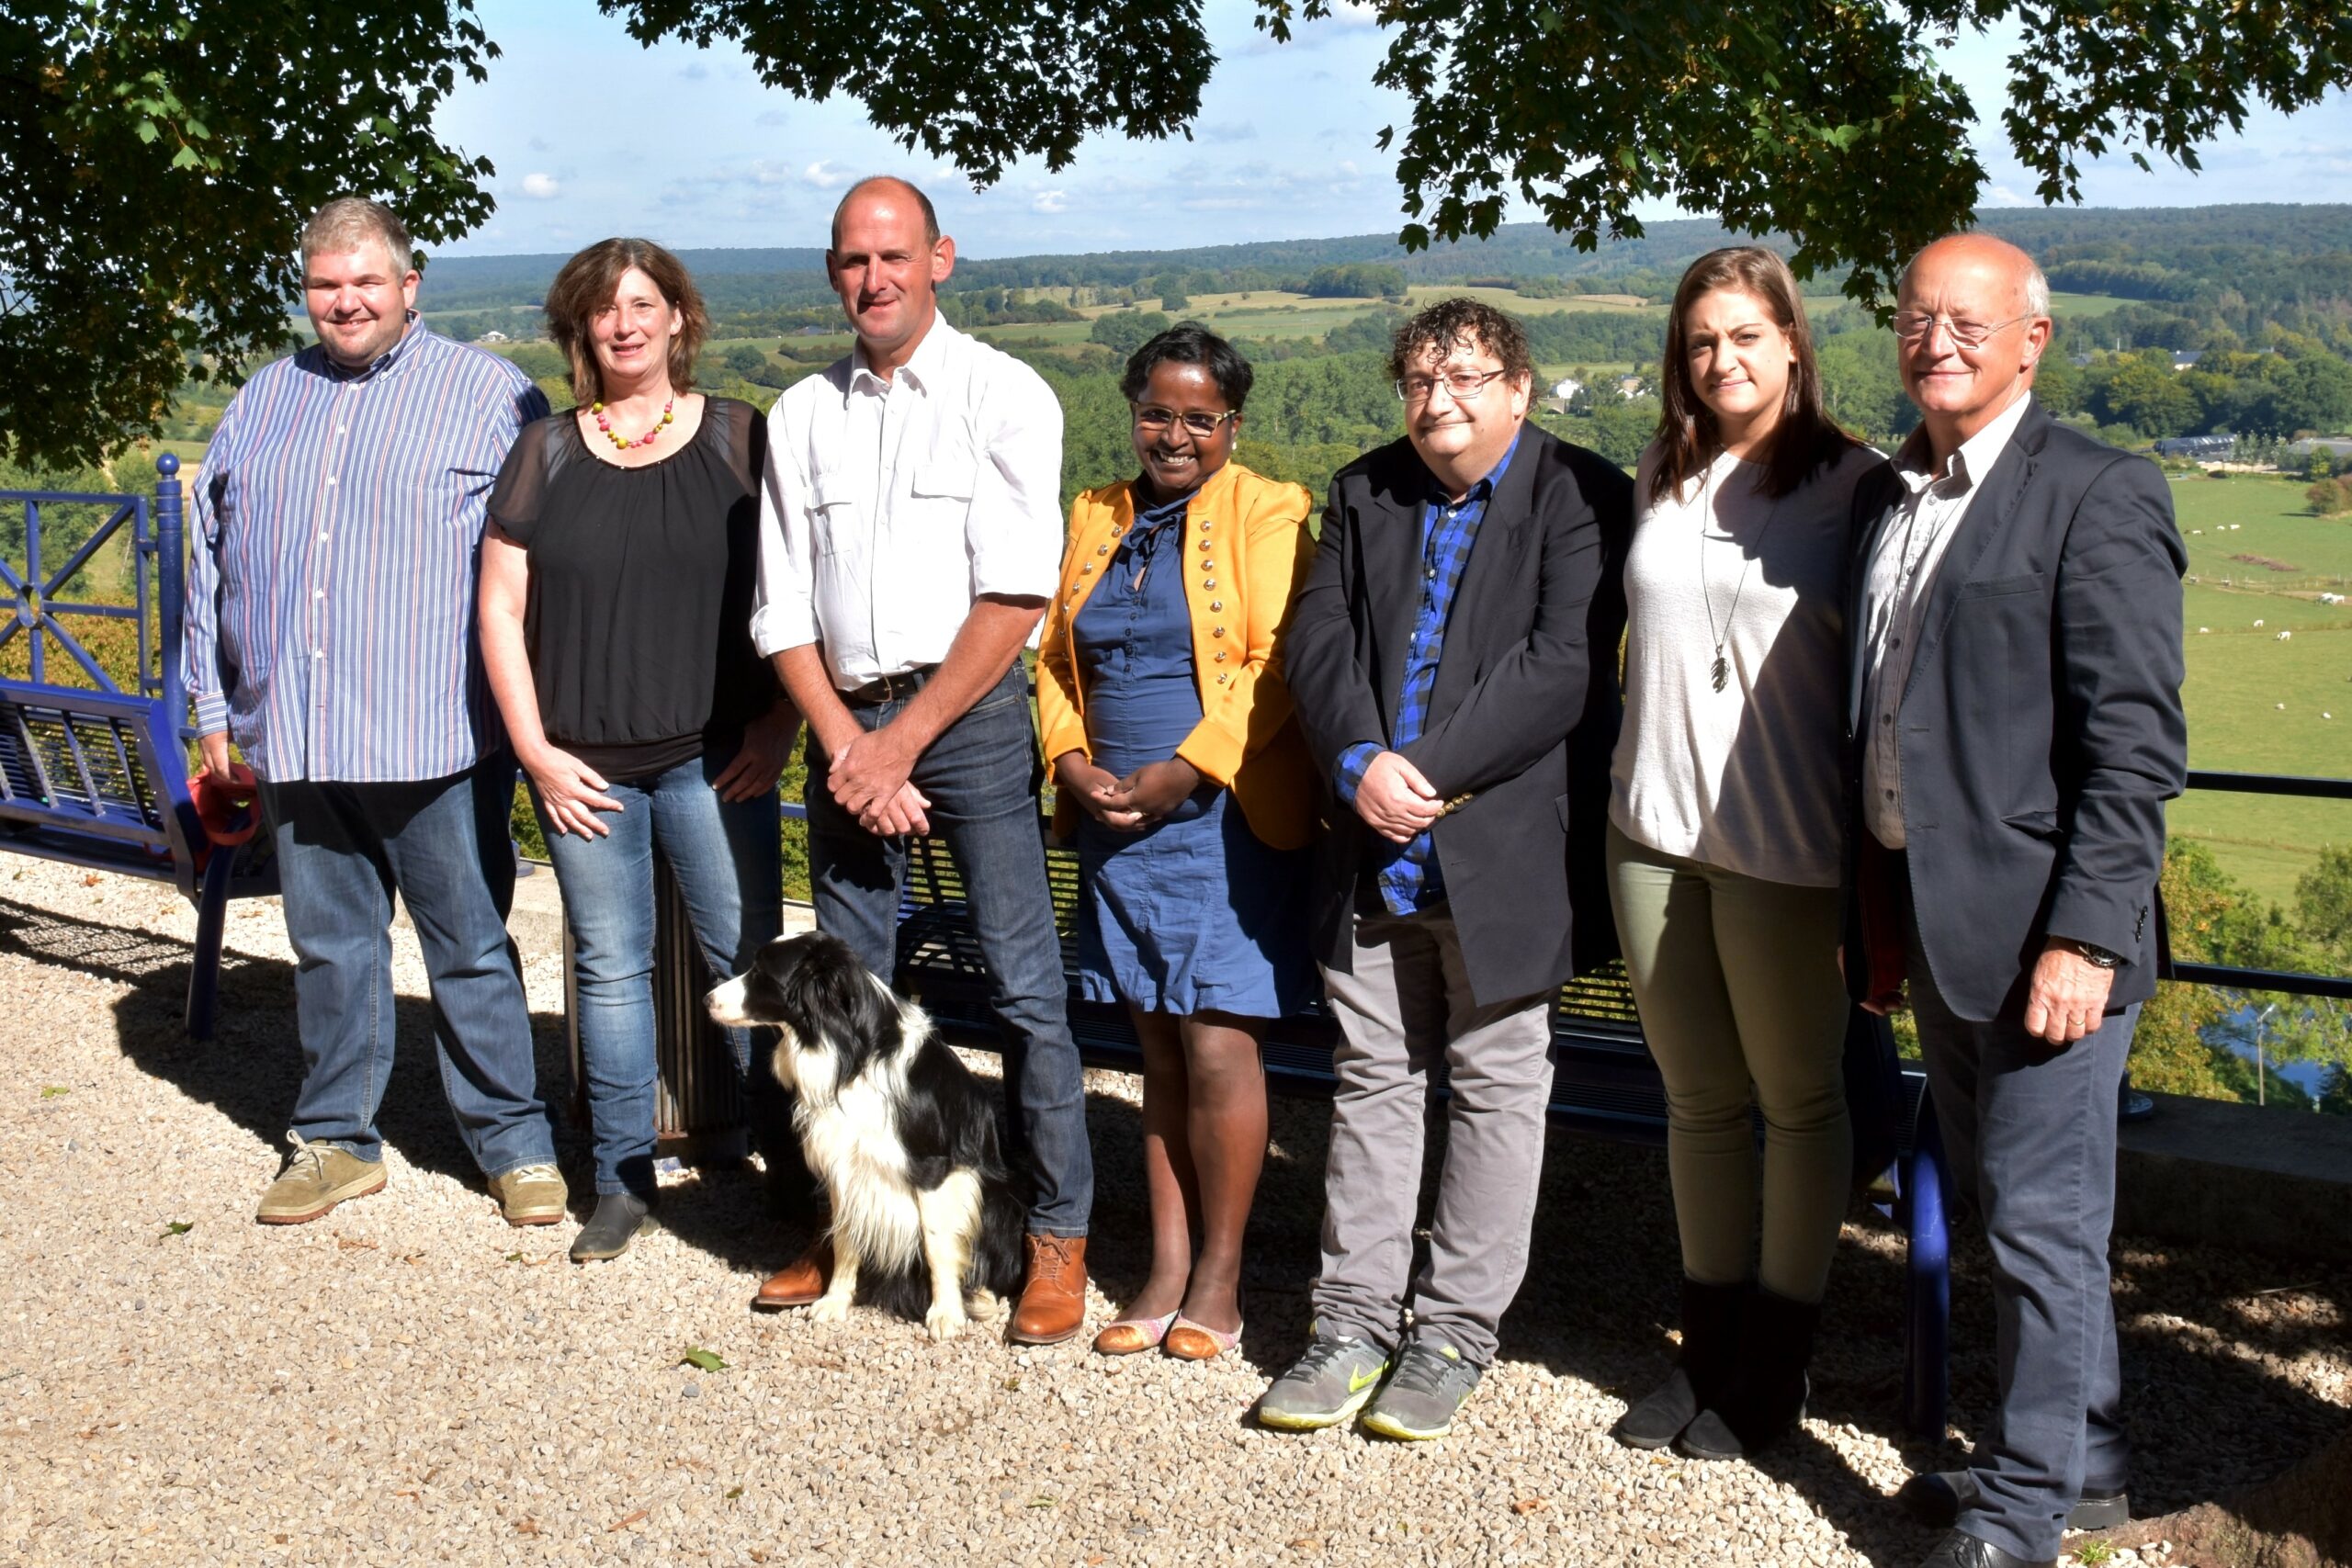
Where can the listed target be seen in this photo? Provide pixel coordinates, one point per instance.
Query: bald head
(1972, 318)
(885, 191)
(1989, 258)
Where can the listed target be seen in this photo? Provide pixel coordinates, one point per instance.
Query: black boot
(618, 1218)
(1767, 1389)
(1709, 1338)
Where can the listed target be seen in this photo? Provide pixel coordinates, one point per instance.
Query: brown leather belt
(891, 688)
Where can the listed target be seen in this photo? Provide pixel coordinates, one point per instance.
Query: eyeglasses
(1913, 325)
(1462, 385)
(1150, 417)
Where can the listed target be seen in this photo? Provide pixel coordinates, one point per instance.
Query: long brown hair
(1805, 439)
(586, 285)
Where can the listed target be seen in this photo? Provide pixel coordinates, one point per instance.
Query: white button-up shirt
(1903, 563)
(891, 506)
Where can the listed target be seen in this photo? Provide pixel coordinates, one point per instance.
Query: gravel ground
(410, 1381)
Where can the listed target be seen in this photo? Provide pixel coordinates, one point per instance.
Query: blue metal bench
(1604, 1082)
(94, 774)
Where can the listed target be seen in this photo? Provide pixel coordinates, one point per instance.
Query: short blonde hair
(346, 222)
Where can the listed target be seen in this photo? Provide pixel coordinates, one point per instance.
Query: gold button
(1209, 582)
(1208, 565)
(1222, 678)
(1220, 655)
(1086, 568)
(1216, 605)
(1216, 631)
(1204, 527)
(1205, 544)
(1102, 549)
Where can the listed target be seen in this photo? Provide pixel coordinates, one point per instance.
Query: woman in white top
(1723, 839)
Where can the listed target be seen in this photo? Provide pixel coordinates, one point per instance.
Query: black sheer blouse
(638, 622)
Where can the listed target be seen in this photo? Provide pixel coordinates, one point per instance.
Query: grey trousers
(2029, 1130)
(1406, 1006)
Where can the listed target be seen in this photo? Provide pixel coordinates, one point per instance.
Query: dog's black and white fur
(925, 1214)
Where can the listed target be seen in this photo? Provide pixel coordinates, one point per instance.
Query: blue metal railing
(2333, 987)
(29, 604)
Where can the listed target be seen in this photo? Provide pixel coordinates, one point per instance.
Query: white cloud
(1049, 201)
(824, 177)
(2002, 196)
(695, 72)
(1231, 131)
(542, 187)
(773, 118)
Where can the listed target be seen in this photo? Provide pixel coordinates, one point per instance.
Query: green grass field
(2256, 704)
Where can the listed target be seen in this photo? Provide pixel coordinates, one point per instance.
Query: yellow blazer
(1246, 550)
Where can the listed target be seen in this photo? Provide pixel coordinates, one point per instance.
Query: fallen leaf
(404, 1493)
(627, 1520)
(1307, 1543)
(176, 1228)
(733, 1493)
(708, 1361)
(278, 1537)
(514, 1258)
(1013, 1386)
(1041, 1502)
(353, 1244)
(51, 1090)
(412, 1258)
(1526, 1505)
(91, 880)
(757, 1555)
(1094, 1559)
(526, 1527)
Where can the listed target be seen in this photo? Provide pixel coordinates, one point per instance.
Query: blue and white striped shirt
(1410, 877)
(338, 521)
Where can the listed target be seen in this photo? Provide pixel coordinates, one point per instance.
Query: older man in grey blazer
(2015, 729)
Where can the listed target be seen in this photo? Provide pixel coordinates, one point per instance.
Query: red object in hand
(227, 807)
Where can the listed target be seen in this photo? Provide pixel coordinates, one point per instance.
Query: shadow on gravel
(2208, 1337)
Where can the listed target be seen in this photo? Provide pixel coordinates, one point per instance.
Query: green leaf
(1041, 1502)
(146, 130)
(51, 1090)
(193, 130)
(176, 1228)
(185, 158)
(733, 1493)
(708, 1361)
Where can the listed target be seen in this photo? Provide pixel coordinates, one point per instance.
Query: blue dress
(1193, 914)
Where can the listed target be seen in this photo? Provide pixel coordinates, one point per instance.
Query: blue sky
(1285, 148)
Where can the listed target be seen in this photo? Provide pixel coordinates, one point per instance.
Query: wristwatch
(2092, 953)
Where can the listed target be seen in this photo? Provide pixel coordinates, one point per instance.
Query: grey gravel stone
(410, 1381)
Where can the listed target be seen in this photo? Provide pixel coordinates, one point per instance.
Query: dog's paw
(830, 1309)
(944, 1322)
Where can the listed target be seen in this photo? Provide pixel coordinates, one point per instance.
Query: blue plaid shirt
(1410, 878)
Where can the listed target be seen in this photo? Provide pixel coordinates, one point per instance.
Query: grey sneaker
(1325, 1386)
(1419, 1400)
(530, 1194)
(319, 1177)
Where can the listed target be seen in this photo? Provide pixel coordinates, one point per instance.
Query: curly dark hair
(1452, 325)
(1189, 342)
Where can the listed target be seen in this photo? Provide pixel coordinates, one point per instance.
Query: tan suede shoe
(319, 1177)
(530, 1194)
(1053, 1303)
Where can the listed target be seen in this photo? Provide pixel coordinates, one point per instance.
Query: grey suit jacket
(2041, 728)
(1524, 715)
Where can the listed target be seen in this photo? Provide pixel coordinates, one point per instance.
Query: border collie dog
(925, 1214)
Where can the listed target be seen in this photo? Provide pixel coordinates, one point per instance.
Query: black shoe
(618, 1219)
(1767, 1390)
(1958, 1550)
(1709, 1336)
(1935, 1498)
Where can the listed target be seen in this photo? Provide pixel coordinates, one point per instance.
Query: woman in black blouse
(616, 583)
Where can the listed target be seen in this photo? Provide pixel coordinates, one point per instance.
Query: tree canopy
(161, 152)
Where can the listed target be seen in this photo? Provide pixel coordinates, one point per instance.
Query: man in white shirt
(909, 537)
(2015, 727)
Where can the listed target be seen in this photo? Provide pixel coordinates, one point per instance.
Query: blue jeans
(982, 779)
(342, 850)
(729, 868)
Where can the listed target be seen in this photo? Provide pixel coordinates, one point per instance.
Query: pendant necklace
(1718, 673)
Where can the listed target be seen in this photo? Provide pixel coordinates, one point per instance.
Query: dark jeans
(343, 850)
(982, 779)
(728, 864)
(2029, 1130)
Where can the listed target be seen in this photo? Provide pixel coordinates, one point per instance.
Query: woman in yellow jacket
(1179, 771)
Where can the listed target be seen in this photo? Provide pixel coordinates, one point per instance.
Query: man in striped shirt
(331, 634)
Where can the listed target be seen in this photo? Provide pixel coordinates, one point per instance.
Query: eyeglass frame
(1486, 380)
(1138, 410)
(1983, 330)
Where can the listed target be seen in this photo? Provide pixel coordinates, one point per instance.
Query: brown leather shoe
(1053, 1303)
(799, 1282)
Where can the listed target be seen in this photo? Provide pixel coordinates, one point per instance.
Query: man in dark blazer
(2015, 729)
(1460, 620)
